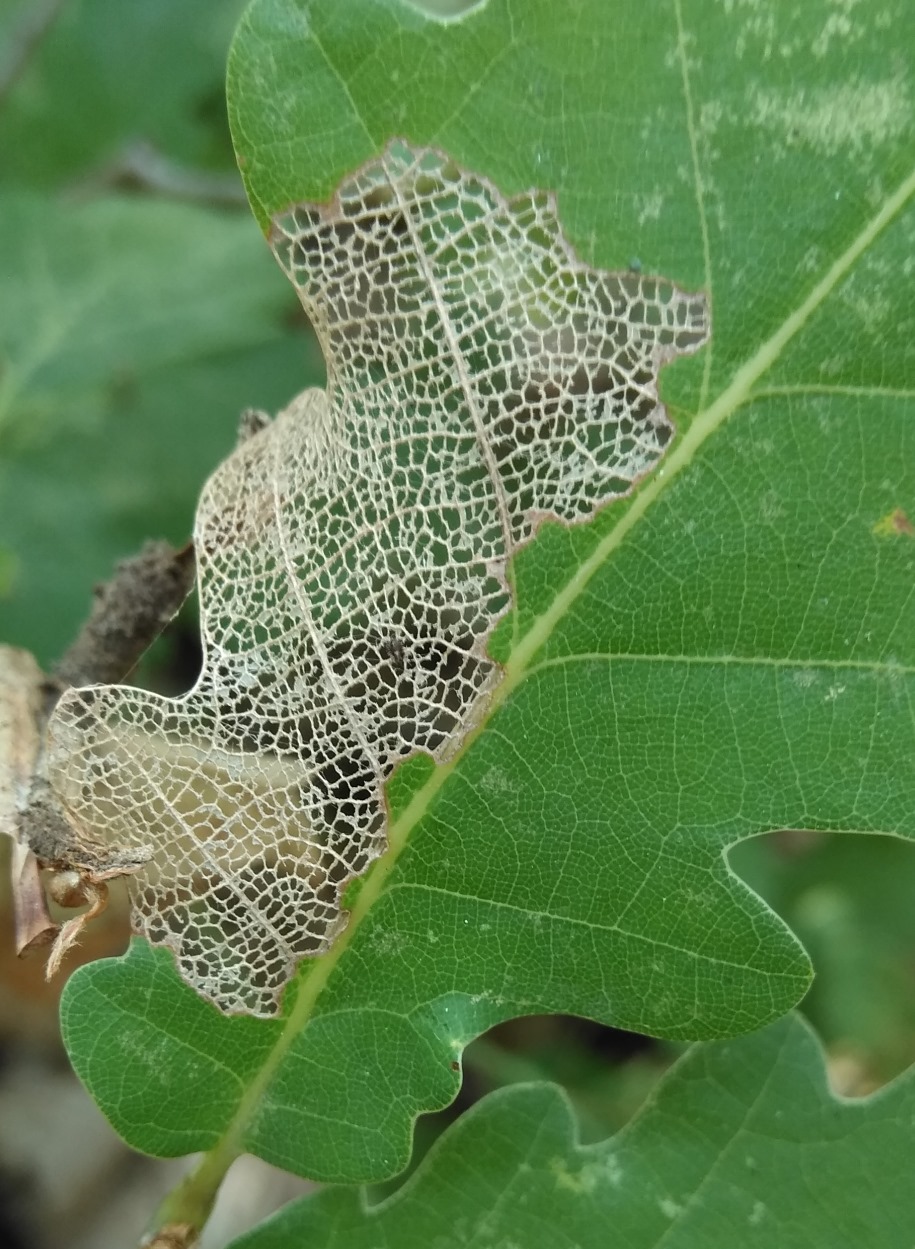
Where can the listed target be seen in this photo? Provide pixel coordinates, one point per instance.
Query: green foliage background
(134, 326)
(727, 653)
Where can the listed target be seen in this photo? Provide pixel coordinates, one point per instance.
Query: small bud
(68, 889)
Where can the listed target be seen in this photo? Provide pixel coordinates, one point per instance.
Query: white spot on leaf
(853, 117)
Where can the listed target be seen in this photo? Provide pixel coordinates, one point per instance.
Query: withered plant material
(128, 613)
(22, 697)
(352, 557)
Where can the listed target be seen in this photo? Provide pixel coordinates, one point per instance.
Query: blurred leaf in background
(849, 899)
(133, 328)
(92, 77)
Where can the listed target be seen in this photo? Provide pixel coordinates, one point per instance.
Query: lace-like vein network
(352, 557)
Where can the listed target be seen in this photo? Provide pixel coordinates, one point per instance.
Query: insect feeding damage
(352, 556)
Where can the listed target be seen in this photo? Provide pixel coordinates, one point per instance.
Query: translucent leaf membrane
(352, 557)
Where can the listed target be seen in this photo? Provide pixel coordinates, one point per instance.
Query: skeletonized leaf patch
(352, 557)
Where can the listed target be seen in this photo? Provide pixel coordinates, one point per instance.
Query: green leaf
(125, 359)
(727, 652)
(105, 76)
(115, 287)
(741, 1144)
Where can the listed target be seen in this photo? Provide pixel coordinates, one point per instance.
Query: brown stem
(184, 1212)
(141, 166)
(129, 612)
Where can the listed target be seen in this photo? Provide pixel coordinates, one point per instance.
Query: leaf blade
(769, 304)
(741, 1143)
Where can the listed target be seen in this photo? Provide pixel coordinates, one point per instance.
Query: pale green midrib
(801, 389)
(884, 667)
(700, 191)
(705, 424)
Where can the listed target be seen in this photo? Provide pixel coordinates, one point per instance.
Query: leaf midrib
(883, 667)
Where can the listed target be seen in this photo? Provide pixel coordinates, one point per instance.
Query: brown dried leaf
(352, 558)
(33, 924)
(21, 696)
(22, 686)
